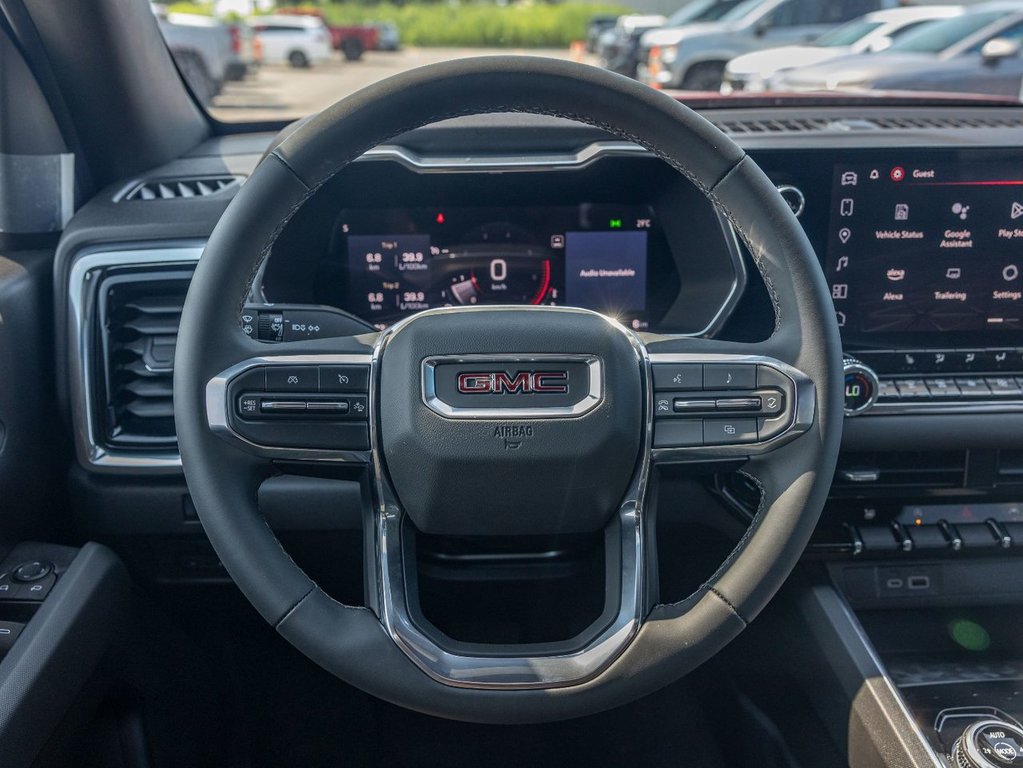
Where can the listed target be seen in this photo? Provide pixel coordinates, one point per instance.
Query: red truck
(352, 40)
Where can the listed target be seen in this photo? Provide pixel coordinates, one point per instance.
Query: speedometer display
(404, 261)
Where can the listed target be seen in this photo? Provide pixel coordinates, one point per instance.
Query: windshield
(271, 61)
(847, 34)
(742, 10)
(936, 37)
(701, 10)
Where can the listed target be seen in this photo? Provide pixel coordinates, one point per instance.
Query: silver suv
(693, 56)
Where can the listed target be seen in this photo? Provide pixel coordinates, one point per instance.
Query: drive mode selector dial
(861, 387)
(989, 744)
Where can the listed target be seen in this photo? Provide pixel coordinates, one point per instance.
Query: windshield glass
(940, 35)
(846, 34)
(701, 10)
(742, 10)
(274, 61)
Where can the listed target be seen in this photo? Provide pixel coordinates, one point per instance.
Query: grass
(477, 24)
(473, 24)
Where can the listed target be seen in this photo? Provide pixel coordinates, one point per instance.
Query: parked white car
(300, 41)
(868, 34)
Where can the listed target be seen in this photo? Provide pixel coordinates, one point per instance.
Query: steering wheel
(506, 420)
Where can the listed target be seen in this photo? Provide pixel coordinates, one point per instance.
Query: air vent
(901, 469)
(138, 324)
(848, 125)
(173, 189)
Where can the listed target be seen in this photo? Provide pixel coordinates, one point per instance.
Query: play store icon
(1017, 210)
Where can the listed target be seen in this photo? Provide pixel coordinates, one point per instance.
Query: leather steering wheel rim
(350, 641)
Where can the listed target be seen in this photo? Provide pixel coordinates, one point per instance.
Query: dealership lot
(280, 92)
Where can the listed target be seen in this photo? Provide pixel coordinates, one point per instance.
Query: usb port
(919, 582)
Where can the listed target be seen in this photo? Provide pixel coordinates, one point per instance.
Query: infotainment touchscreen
(921, 251)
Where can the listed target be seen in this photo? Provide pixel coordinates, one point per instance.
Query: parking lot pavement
(281, 92)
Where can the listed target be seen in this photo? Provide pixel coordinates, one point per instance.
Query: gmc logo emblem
(523, 382)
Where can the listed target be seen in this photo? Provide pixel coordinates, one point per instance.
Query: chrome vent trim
(86, 359)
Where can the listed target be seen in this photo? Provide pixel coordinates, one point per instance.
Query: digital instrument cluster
(402, 261)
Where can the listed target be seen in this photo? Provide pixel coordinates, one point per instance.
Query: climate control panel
(933, 381)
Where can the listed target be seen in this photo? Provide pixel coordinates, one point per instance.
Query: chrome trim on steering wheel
(590, 399)
(509, 672)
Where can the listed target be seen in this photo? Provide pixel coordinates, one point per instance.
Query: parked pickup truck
(206, 51)
(351, 40)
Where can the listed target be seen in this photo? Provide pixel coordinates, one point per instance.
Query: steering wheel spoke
(295, 402)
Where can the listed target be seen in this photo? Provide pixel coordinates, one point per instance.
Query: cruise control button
(281, 406)
(1002, 386)
(248, 406)
(724, 376)
(678, 375)
(344, 378)
(327, 406)
(297, 378)
(678, 433)
(729, 431)
(358, 405)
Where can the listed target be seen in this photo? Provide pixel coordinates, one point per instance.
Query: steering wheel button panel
(272, 418)
(770, 405)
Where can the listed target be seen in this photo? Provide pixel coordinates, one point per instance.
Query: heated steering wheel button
(292, 378)
(723, 376)
(729, 431)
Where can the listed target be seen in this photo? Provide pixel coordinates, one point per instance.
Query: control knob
(861, 386)
(989, 744)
